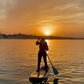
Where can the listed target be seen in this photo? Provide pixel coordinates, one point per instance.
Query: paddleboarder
(43, 47)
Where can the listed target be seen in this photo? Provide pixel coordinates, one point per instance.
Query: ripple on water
(18, 58)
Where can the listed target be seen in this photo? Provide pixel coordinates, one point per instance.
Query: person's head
(42, 38)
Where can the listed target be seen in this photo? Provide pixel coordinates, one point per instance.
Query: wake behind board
(38, 77)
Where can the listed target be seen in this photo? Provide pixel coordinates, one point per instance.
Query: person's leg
(39, 60)
(45, 60)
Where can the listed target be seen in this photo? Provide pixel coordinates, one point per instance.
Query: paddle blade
(55, 70)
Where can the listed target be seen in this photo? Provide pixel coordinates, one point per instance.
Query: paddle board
(38, 77)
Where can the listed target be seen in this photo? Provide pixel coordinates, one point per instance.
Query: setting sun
(47, 29)
(47, 33)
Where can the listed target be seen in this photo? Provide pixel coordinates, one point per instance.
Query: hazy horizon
(58, 17)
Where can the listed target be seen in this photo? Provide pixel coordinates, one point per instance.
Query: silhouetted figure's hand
(39, 39)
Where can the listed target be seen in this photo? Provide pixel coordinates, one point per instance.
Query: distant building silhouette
(25, 36)
(1, 36)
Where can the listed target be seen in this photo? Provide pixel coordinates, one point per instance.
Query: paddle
(54, 69)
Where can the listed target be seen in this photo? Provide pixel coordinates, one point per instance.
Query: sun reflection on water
(47, 42)
(47, 51)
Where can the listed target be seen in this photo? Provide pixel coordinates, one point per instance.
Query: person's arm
(37, 42)
(46, 46)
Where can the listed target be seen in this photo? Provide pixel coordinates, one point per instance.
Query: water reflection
(47, 42)
(47, 51)
(18, 59)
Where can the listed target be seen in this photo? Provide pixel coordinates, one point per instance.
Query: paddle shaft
(54, 69)
(50, 60)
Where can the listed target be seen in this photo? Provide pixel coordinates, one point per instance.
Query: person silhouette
(43, 47)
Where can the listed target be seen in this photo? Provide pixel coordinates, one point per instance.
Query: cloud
(38, 9)
(30, 14)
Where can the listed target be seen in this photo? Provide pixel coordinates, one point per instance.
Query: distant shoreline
(35, 39)
(25, 36)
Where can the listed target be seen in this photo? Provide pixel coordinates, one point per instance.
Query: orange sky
(59, 17)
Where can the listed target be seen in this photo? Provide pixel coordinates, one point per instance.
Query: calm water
(18, 58)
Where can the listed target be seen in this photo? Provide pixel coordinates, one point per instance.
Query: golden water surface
(18, 59)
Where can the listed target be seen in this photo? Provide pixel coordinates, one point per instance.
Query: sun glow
(47, 29)
(47, 33)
